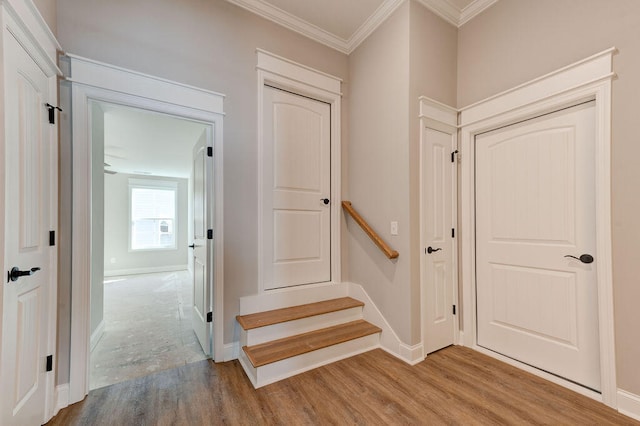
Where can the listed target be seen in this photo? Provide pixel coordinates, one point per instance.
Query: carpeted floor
(147, 328)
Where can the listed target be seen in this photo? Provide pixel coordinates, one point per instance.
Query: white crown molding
(473, 10)
(452, 14)
(293, 23)
(442, 8)
(381, 14)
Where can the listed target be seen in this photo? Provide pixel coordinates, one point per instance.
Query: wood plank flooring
(453, 386)
(277, 316)
(288, 347)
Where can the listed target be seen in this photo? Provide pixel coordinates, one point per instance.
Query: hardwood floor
(453, 386)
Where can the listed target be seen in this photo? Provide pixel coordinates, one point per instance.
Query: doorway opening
(142, 268)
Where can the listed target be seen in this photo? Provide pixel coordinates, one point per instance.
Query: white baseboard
(150, 270)
(231, 351)
(96, 335)
(629, 404)
(61, 398)
(389, 340)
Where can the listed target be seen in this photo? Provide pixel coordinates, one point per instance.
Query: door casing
(95, 81)
(589, 79)
(287, 75)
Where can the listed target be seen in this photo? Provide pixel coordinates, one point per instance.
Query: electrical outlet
(394, 228)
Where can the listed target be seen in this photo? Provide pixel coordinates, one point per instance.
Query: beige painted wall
(378, 167)
(48, 10)
(410, 55)
(209, 44)
(515, 41)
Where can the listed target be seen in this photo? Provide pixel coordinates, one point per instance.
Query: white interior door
(297, 186)
(202, 247)
(439, 252)
(25, 308)
(534, 206)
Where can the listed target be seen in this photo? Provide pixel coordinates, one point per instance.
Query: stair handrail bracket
(382, 245)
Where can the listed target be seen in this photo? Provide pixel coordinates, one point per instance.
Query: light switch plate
(394, 228)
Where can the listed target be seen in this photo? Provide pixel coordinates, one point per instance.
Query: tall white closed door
(296, 190)
(535, 206)
(25, 304)
(438, 222)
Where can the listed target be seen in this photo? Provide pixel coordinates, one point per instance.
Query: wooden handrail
(388, 251)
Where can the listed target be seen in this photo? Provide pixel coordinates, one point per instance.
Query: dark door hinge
(454, 309)
(52, 238)
(209, 316)
(453, 232)
(50, 363)
(52, 112)
(453, 156)
(209, 151)
(209, 234)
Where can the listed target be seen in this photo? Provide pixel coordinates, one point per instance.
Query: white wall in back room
(118, 259)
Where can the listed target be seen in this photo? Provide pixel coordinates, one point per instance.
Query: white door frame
(302, 80)
(589, 79)
(95, 81)
(438, 116)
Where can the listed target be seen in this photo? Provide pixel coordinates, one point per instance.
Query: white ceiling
(344, 24)
(148, 143)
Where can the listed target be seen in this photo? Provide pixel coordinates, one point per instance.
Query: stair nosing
(371, 329)
(248, 322)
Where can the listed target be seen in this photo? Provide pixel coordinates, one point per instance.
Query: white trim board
(443, 8)
(285, 74)
(94, 81)
(629, 404)
(589, 79)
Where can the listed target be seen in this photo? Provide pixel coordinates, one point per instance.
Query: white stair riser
(280, 370)
(291, 328)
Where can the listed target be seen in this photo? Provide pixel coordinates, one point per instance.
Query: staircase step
(277, 316)
(277, 350)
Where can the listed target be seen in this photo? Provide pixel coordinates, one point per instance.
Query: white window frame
(166, 185)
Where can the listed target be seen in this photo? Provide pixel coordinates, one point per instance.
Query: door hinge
(209, 234)
(454, 309)
(453, 232)
(52, 238)
(209, 151)
(209, 316)
(49, 363)
(52, 112)
(453, 156)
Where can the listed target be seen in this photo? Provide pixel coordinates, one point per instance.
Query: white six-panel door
(25, 307)
(534, 206)
(438, 191)
(296, 189)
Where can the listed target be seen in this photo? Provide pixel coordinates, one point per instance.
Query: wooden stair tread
(277, 316)
(277, 350)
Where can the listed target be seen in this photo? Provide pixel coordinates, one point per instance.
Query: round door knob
(325, 201)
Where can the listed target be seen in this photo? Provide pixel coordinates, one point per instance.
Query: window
(153, 214)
